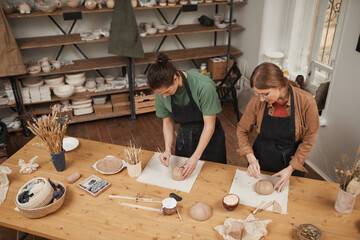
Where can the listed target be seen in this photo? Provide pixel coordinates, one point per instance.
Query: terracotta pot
(111, 4)
(134, 170)
(345, 201)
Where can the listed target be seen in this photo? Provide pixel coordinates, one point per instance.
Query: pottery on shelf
(24, 8)
(73, 3)
(111, 3)
(134, 3)
(64, 91)
(90, 4)
(58, 3)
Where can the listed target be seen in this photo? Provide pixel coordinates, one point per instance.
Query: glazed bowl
(64, 91)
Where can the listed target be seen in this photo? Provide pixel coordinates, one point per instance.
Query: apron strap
(187, 88)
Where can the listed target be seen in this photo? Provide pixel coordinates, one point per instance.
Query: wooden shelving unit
(116, 61)
(8, 106)
(59, 40)
(103, 10)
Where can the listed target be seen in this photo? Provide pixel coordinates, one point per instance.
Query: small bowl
(76, 81)
(169, 206)
(54, 80)
(230, 201)
(308, 232)
(73, 3)
(221, 25)
(75, 75)
(34, 69)
(90, 84)
(151, 30)
(99, 100)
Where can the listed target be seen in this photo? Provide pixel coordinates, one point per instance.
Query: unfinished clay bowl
(73, 3)
(64, 91)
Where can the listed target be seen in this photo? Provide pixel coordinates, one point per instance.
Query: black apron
(275, 145)
(191, 123)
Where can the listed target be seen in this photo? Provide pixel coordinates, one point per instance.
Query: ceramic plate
(123, 165)
(70, 143)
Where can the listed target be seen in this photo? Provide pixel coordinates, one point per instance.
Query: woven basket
(45, 210)
(39, 200)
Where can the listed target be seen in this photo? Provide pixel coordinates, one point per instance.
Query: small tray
(94, 185)
(123, 165)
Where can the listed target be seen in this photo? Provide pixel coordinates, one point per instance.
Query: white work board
(244, 187)
(157, 174)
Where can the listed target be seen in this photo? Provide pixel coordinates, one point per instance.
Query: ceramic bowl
(33, 82)
(99, 100)
(73, 3)
(75, 81)
(34, 69)
(100, 80)
(109, 77)
(90, 84)
(64, 91)
(151, 30)
(54, 80)
(221, 25)
(52, 87)
(75, 75)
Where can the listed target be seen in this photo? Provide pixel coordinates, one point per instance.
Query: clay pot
(134, 170)
(230, 201)
(111, 3)
(24, 8)
(58, 3)
(134, 3)
(90, 4)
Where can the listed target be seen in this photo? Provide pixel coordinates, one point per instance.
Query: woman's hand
(189, 166)
(284, 175)
(165, 158)
(253, 169)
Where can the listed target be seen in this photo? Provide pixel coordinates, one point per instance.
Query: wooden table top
(85, 217)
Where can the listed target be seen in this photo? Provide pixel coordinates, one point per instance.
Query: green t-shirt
(203, 91)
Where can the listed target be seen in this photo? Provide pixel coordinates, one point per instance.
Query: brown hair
(161, 73)
(267, 75)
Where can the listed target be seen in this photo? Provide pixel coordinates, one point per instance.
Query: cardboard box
(145, 103)
(119, 98)
(123, 106)
(218, 69)
(103, 108)
(69, 113)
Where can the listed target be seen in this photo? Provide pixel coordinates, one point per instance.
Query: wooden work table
(85, 217)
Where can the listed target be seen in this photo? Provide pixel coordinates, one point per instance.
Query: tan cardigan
(306, 125)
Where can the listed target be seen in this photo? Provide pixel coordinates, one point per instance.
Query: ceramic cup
(44, 61)
(57, 64)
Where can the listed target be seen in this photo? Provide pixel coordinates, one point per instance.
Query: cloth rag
(27, 168)
(4, 182)
(253, 228)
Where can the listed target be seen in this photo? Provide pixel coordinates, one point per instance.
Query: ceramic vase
(58, 160)
(345, 201)
(134, 170)
(134, 3)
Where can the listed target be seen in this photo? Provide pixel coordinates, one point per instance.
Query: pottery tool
(266, 206)
(161, 152)
(140, 207)
(155, 173)
(244, 186)
(178, 213)
(134, 198)
(257, 209)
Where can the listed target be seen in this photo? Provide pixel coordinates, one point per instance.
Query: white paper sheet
(157, 174)
(244, 187)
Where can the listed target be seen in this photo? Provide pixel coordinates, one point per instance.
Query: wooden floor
(145, 132)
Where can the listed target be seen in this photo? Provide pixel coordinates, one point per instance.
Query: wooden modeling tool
(257, 209)
(140, 207)
(134, 198)
(178, 213)
(266, 206)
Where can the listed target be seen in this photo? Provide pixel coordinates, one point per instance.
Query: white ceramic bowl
(90, 84)
(75, 75)
(64, 91)
(54, 80)
(33, 82)
(99, 100)
(109, 77)
(75, 81)
(221, 25)
(151, 30)
(52, 87)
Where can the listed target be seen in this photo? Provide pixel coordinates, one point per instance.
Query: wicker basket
(39, 200)
(45, 210)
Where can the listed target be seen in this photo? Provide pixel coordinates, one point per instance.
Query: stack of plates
(82, 106)
(54, 81)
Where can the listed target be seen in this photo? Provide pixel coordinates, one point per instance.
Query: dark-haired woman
(190, 99)
(286, 120)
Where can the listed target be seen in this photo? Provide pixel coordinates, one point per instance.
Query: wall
(342, 111)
